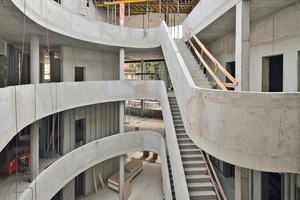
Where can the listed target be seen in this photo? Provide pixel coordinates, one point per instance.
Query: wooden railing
(217, 66)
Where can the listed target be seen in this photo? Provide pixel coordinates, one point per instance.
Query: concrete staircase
(199, 183)
(196, 72)
(171, 178)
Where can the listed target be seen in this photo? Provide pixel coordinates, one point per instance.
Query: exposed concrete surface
(48, 14)
(252, 130)
(149, 182)
(66, 168)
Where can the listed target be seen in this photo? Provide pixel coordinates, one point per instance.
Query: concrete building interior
(150, 99)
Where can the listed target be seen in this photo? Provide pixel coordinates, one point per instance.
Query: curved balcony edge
(69, 166)
(254, 130)
(58, 19)
(22, 105)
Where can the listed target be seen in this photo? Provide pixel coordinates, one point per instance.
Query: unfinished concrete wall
(64, 21)
(223, 50)
(278, 33)
(77, 7)
(100, 120)
(98, 65)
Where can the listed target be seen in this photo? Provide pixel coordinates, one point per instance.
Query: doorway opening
(272, 186)
(272, 74)
(79, 132)
(79, 184)
(230, 67)
(79, 74)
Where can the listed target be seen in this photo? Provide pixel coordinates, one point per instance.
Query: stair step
(185, 157)
(193, 163)
(203, 195)
(185, 140)
(197, 178)
(194, 170)
(179, 130)
(200, 186)
(187, 146)
(190, 151)
(182, 135)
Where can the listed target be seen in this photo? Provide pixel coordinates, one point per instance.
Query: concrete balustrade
(52, 179)
(254, 130)
(61, 20)
(23, 105)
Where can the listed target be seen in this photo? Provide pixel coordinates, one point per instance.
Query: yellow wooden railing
(217, 65)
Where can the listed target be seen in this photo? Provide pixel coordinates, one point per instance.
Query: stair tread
(193, 162)
(200, 184)
(188, 169)
(202, 193)
(197, 176)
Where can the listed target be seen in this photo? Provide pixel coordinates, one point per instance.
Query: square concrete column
(242, 31)
(241, 183)
(256, 182)
(121, 126)
(34, 150)
(35, 59)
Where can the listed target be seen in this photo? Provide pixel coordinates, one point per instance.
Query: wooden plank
(207, 67)
(101, 180)
(227, 74)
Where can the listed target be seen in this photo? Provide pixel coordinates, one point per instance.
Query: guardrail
(217, 66)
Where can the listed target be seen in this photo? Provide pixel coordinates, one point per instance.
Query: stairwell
(196, 72)
(199, 183)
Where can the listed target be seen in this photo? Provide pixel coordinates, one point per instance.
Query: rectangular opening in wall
(79, 184)
(272, 74)
(230, 67)
(79, 74)
(79, 132)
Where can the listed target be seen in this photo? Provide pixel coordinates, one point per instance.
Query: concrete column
(121, 126)
(142, 78)
(293, 187)
(286, 186)
(241, 183)
(242, 44)
(255, 192)
(34, 59)
(34, 150)
(121, 177)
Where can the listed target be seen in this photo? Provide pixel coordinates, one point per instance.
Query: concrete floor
(147, 185)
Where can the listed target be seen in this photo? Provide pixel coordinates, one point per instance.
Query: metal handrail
(223, 86)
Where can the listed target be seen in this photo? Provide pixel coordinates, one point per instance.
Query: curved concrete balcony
(57, 175)
(61, 20)
(22, 105)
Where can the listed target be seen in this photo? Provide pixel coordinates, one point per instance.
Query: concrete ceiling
(226, 23)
